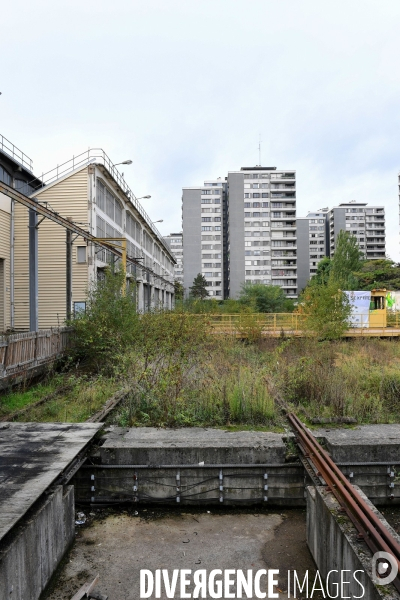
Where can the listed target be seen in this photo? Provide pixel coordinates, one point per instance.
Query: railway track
(324, 471)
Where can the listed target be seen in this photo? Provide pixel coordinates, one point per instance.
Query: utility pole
(33, 271)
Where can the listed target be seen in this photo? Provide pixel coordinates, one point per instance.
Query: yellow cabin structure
(377, 309)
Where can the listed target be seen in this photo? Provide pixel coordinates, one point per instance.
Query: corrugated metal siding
(69, 197)
(21, 268)
(5, 275)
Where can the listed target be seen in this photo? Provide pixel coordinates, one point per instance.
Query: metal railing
(294, 324)
(21, 352)
(15, 153)
(98, 156)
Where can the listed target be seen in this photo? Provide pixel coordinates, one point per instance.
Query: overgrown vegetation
(180, 374)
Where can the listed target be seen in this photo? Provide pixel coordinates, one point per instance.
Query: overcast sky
(184, 88)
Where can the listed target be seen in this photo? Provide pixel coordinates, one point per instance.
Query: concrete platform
(190, 446)
(364, 443)
(32, 457)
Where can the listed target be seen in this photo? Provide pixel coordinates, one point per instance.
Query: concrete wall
(236, 232)
(191, 216)
(333, 543)
(303, 253)
(29, 559)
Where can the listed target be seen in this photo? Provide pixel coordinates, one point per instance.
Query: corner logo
(384, 568)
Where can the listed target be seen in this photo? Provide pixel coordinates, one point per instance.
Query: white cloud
(184, 88)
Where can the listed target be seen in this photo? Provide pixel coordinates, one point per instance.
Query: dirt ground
(117, 544)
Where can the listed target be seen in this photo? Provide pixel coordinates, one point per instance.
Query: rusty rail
(369, 527)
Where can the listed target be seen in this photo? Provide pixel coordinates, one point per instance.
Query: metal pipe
(33, 271)
(68, 274)
(12, 268)
(196, 466)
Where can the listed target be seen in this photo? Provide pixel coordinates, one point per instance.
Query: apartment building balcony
(290, 187)
(284, 263)
(282, 195)
(287, 204)
(284, 176)
(284, 273)
(284, 215)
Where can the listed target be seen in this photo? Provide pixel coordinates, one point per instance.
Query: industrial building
(89, 191)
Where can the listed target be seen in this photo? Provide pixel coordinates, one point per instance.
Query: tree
(381, 273)
(321, 277)
(327, 310)
(179, 290)
(264, 298)
(346, 260)
(199, 287)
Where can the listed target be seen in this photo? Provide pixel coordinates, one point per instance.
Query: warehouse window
(81, 254)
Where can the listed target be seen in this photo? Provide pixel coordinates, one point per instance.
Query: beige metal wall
(69, 197)
(5, 252)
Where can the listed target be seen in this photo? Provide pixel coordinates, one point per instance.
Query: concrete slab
(190, 446)
(32, 456)
(117, 545)
(365, 443)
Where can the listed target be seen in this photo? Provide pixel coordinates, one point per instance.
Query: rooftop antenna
(259, 150)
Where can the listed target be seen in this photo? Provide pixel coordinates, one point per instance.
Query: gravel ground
(117, 544)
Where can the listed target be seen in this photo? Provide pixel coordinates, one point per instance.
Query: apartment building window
(256, 214)
(81, 254)
(207, 265)
(206, 200)
(206, 219)
(206, 228)
(217, 218)
(256, 195)
(254, 186)
(218, 228)
(265, 204)
(264, 185)
(247, 204)
(247, 195)
(264, 195)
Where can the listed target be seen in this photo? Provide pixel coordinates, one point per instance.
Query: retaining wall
(333, 543)
(34, 549)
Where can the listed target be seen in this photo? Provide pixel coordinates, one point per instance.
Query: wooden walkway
(32, 457)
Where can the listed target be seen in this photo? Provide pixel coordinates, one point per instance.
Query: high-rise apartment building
(175, 242)
(261, 228)
(242, 230)
(367, 223)
(311, 245)
(203, 215)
